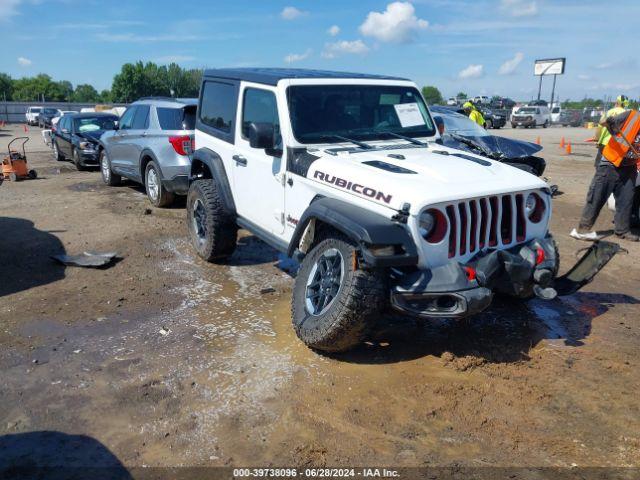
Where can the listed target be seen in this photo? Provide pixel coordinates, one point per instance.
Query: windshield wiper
(345, 139)
(408, 139)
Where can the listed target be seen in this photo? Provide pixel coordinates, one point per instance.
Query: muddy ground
(165, 360)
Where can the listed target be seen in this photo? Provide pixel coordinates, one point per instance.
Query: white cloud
(297, 57)
(333, 50)
(582, 76)
(398, 23)
(24, 62)
(175, 59)
(8, 8)
(333, 30)
(472, 71)
(291, 13)
(508, 67)
(519, 8)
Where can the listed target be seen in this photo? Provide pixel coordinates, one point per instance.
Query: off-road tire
(164, 197)
(108, 177)
(75, 156)
(218, 239)
(361, 297)
(56, 152)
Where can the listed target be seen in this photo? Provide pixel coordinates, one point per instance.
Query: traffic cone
(562, 142)
(538, 141)
(568, 149)
(25, 129)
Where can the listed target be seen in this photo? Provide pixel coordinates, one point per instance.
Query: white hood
(438, 177)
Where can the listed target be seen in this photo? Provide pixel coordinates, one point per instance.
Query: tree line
(134, 80)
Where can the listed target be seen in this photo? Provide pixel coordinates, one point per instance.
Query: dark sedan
(457, 131)
(46, 115)
(78, 137)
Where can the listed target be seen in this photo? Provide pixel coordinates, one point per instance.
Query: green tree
(432, 95)
(105, 96)
(461, 96)
(6, 86)
(86, 93)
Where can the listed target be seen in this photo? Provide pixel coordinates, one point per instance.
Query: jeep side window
(218, 107)
(260, 107)
(127, 118)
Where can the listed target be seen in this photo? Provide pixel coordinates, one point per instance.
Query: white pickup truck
(345, 173)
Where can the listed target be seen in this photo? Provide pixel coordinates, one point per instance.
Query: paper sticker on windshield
(409, 114)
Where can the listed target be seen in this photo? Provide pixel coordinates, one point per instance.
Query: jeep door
(257, 173)
(117, 142)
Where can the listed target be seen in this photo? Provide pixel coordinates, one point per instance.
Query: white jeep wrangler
(344, 172)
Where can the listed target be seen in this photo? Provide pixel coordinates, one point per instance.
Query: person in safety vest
(616, 173)
(473, 113)
(602, 134)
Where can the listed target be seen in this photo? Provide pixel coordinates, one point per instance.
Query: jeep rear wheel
(212, 230)
(335, 302)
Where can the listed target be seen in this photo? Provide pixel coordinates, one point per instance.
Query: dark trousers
(608, 179)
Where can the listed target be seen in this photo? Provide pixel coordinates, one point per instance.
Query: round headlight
(432, 225)
(534, 207)
(427, 223)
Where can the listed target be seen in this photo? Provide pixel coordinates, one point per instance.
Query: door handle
(239, 159)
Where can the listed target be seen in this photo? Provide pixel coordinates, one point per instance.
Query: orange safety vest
(617, 148)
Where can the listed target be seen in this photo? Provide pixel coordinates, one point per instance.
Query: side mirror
(261, 135)
(439, 124)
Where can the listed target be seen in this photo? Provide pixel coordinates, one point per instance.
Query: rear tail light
(183, 144)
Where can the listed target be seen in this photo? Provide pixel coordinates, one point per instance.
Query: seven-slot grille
(494, 221)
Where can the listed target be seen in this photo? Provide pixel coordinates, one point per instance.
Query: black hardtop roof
(271, 76)
(91, 114)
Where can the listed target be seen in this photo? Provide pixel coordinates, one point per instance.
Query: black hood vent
(389, 167)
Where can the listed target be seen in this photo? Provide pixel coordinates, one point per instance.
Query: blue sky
(476, 46)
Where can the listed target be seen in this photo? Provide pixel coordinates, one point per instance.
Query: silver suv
(151, 146)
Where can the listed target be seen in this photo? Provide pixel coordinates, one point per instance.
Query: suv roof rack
(169, 99)
(271, 76)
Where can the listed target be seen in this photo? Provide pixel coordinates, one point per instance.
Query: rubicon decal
(353, 186)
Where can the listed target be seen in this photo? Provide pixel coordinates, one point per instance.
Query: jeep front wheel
(212, 230)
(334, 301)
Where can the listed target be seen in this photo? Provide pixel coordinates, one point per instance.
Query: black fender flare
(213, 162)
(147, 152)
(365, 227)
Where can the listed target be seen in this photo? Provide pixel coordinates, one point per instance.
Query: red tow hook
(471, 273)
(540, 256)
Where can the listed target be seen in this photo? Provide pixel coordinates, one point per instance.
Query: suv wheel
(335, 303)
(545, 124)
(213, 232)
(77, 161)
(488, 125)
(158, 195)
(56, 152)
(108, 177)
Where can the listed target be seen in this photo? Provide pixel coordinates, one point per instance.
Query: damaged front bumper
(456, 291)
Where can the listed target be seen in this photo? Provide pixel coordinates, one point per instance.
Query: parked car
(492, 119)
(452, 101)
(46, 115)
(77, 137)
(481, 100)
(56, 119)
(32, 115)
(531, 117)
(502, 104)
(342, 171)
(570, 118)
(152, 147)
(457, 131)
(554, 114)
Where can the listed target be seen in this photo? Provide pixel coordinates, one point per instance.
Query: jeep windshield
(359, 112)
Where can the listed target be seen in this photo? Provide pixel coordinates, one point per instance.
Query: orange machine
(14, 165)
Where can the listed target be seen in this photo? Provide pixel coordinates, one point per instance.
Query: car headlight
(432, 225)
(534, 207)
(87, 146)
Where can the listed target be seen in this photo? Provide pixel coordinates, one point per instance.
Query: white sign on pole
(549, 66)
